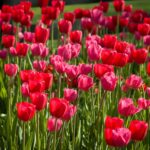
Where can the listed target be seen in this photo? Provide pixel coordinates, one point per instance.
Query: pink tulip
(109, 81)
(96, 15)
(25, 89)
(11, 69)
(39, 65)
(29, 37)
(148, 91)
(60, 66)
(94, 52)
(72, 71)
(126, 107)
(143, 103)
(133, 81)
(75, 50)
(54, 58)
(54, 124)
(69, 113)
(85, 82)
(70, 94)
(146, 40)
(85, 68)
(37, 49)
(3, 54)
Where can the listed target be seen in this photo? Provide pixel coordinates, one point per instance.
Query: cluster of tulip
(71, 84)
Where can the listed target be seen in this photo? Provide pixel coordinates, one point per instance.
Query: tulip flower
(25, 89)
(126, 107)
(57, 107)
(76, 36)
(138, 129)
(78, 13)
(54, 124)
(39, 100)
(143, 103)
(70, 94)
(11, 69)
(109, 81)
(85, 82)
(104, 6)
(85, 68)
(8, 41)
(119, 5)
(25, 111)
(119, 137)
(72, 71)
(146, 40)
(3, 54)
(144, 29)
(70, 17)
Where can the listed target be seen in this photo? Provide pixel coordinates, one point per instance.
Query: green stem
(54, 145)
(29, 60)
(48, 141)
(24, 137)
(38, 133)
(52, 34)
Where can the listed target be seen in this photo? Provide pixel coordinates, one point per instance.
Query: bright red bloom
(11, 69)
(7, 28)
(57, 107)
(69, 16)
(78, 13)
(144, 29)
(17, 14)
(58, 4)
(123, 22)
(25, 111)
(26, 20)
(41, 34)
(104, 6)
(117, 137)
(8, 41)
(87, 24)
(113, 122)
(86, 13)
(128, 8)
(147, 20)
(119, 5)
(138, 129)
(6, 17)
(121, 46)
(140, 55)
(76, 36)
(148, 69)
(25, 75)
(109, 40)
(39, 100)
(65, 26)
(101, 69)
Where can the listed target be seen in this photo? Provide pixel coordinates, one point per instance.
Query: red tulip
(140, 55)
(25, 89)
(7, 28)
(121, 46)
(26, 20)
(86, 13)
(109, 81)
(148, 69)
(144, 29)
(138, 129)
(113, 122)
(39, 100)
(109, 41)
(123, 22)
(57, 107)
(72, 71)
(29, 37)
(26, 75)
(105, 6)
(54, 124)
(17, 14)
(87, 24)
(85, 82)
(70, 94)
(76, 36)
(117, 137)
(58, 4)
(128, 8)
(147, 20)
(25, 111)
(11, 69)
(132, 27)
(85, 68)
(8, 41)
(41, 34)
(65, 26)
(119, 5)
(78, 13)
(101, 69)
(70, 17)
(6, 17)
(3, 54)
(126, 107)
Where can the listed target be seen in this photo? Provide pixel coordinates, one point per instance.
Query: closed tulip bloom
(138, 129)
(25, 89)
(54, 124)
(121, 46)
(25, 75)
(101, 69)
(39, 65)
(96, 15)
(26, 20)
(29, 37)
(144, 29)
(143, 103)
(25, 111)
(148, 69)
(39, 100)
(87, 24)
(41, 34)
(85, 82)
(76, 36)
(148, 91)
(94, 52)
(78, 13)
(65, 26)
(119, 5)
(132, 27)
(146, 40)
(60, 67)
(119, 137)
(3, 54)
(126, 107)
(7, 28)
(70, 94)
(58, 4)
(70, 17)
(147, 20)
(11, 69)
(57, 107)
(37, 49)
(109, 81)
(128, 8)
(109, 41)
(69, 113)
(72, 71)
(85, 68)
(105, 6)
(113, 122)
(8, 41)
(134, 82)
